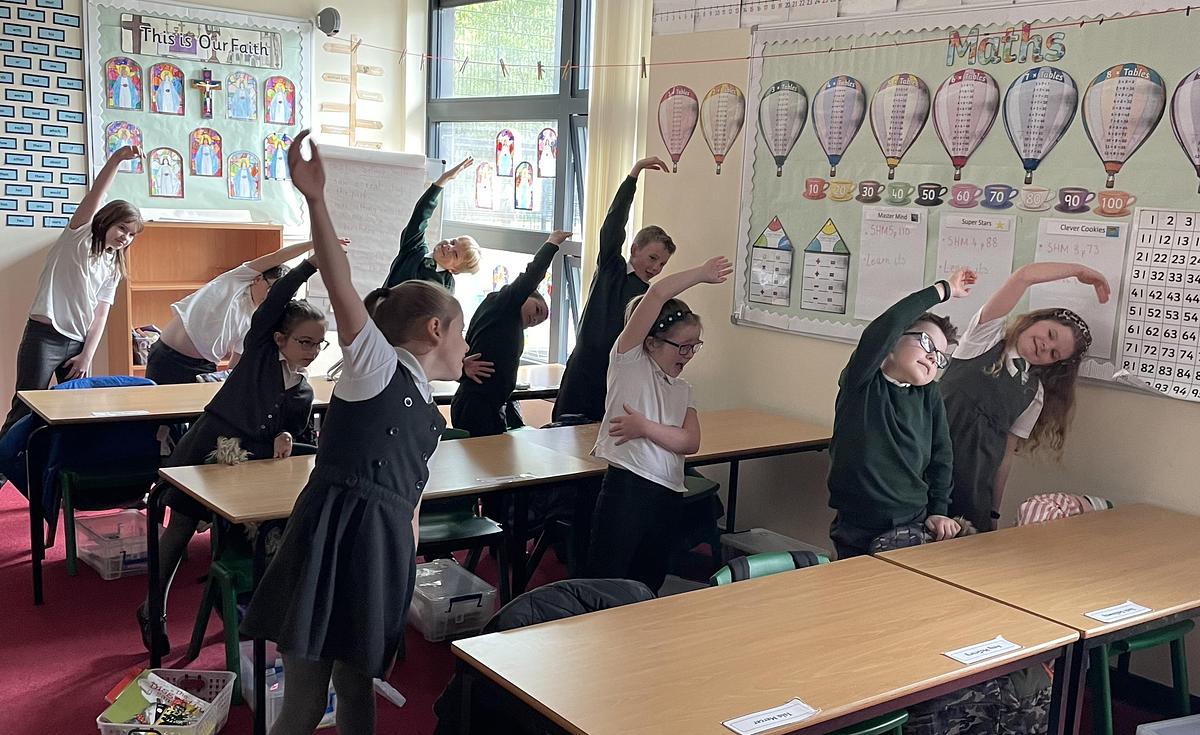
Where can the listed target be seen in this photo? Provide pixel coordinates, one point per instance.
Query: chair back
(761, 565)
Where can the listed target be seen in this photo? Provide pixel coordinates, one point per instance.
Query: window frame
(568, 109)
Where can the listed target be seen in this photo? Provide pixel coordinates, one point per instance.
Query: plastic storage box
(114, 544)
(275, 683)
(218, 689)
(759, 541)
(450, 601)
(1181, 726)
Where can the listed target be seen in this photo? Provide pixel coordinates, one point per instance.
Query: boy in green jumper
(890, 454)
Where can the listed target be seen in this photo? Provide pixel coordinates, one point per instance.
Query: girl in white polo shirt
(650, 425)
(77, 288)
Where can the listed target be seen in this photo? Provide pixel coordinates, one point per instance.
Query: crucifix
(134, 26)
(207, 86)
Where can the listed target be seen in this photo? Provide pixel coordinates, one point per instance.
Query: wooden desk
(726, 436)
(855, 639)
(1063, 569)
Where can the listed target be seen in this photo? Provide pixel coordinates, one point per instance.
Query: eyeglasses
(308, 344)
(926, 342)
(684, 350)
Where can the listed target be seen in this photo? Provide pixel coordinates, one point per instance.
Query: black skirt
(166, 366)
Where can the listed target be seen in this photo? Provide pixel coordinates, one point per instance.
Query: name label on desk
(982, 651)
(108, 414)
(1123, 611)
(504, 479)
(793, 711)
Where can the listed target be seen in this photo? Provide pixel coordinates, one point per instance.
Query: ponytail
(373, 299)
(402, 312)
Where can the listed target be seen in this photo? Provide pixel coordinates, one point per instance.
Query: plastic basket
(217, 689)
(114, 544)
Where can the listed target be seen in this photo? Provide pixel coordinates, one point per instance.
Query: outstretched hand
(716, 270)
(453, 173)
(476, 368)
(558, 237)
(308, 175)
(1096, 280)
(127, 153)
(653, 163)
(961, 281)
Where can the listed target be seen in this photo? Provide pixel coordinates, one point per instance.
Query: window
(527, 129)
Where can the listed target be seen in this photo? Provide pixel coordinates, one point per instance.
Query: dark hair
(401, 312)
(673, 313)
(653, 233)
(538, 296)
(271, 275)
(297, 312)
(941, 322)
(114, 213)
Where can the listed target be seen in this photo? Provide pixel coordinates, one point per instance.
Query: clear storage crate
(275, 684)
(450, 601)
(1181, 726)
(114, 544)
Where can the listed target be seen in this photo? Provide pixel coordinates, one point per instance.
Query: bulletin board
(214, 99)
(876, 161)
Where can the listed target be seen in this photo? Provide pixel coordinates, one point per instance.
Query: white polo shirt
(73, 283)
(217, 317)
(634, 379)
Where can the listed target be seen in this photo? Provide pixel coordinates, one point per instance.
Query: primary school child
(76, 289)
(890, 453)
(497, 334)
(260, 412)
(615, 282)
(209, 325)
(1011, 387)
(414, 261)
(335, 596)
(650, 425)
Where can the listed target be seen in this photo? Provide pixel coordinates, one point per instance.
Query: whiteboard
(370, 195)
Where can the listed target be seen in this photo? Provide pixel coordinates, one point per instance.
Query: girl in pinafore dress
(1012, 387)
(335, 596)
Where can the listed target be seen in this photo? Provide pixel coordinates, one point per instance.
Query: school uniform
(340, 585)
(582, 389)
(262, 397)
(72, 284)
(989, 393)
(890, 455)
(215, 318)
(497, 333)
(634, 527)
(412, 262)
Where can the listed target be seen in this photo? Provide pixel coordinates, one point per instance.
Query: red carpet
(58, 661)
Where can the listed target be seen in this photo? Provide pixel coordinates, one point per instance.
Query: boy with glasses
(890, 454)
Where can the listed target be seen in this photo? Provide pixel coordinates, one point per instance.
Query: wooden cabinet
(168, 261)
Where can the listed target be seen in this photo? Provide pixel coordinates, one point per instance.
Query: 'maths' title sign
(1013, 45)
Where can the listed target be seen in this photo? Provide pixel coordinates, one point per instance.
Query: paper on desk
(1123, 611)
(977, 652)
(501, 479)
(107, 414)
(769, 719)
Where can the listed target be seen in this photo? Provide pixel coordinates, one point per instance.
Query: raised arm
(268, 313)
(279, 257)
(1006, 297)
(612, 231)
(309, 177)
(523, 286)
(91, 201)
(714, 270)
(412, 238)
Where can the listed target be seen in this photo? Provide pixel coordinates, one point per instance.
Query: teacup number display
(869, 191)
(841, 190)
(998, 196)
(1035, 198)
(930, 194)
(1074, 199)
(1114, 203)
(815, 188)
(899, 192)
(965, 196)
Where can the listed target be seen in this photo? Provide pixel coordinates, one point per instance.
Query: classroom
(387, 318)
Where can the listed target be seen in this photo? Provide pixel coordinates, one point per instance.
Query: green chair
(124, 489)
(229, 575)
(1099, 675)
(774, 562)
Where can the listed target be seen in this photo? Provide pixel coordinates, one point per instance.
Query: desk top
(841, 637)
(1063, 569)
(732, 434)
(267, 489)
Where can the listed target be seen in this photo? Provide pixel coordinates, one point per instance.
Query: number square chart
(1161, 329)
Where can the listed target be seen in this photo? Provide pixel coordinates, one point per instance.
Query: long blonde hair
(1057, 379)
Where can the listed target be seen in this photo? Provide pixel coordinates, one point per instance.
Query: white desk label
(1123, 611)
(793, 711)
(982, 651)
(503, 479)
(106, 414)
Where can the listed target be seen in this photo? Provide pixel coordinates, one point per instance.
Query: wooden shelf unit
(170, 260)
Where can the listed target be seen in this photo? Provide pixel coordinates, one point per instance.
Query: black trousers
(41, 356)
(634, 529)
(167, 366)
(852, 539)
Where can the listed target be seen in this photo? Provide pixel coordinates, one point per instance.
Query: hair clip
(670, 318)
(1076, 321)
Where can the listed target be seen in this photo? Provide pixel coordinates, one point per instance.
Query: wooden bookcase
(168, 261)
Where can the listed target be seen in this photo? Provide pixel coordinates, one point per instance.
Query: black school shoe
(144, 623)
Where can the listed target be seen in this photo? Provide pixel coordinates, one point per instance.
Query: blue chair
(92, 467)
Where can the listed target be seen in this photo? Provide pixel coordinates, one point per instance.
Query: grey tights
(306, 684)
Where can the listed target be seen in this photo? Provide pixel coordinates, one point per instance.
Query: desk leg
(518, 541)
(731, 506)
(35, 463)
(154, 519)
(1060, 697)
(260, 645)
(466, 675)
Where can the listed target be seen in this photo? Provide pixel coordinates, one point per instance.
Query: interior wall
(1125, 446)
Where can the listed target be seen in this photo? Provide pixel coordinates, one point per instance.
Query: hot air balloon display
(964, 108)
(721, 116)
(1038, 108)
(1185, 117)
(899, 111)
(782, 112)
(838, 110)
(678, 111)
(1121, 107)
